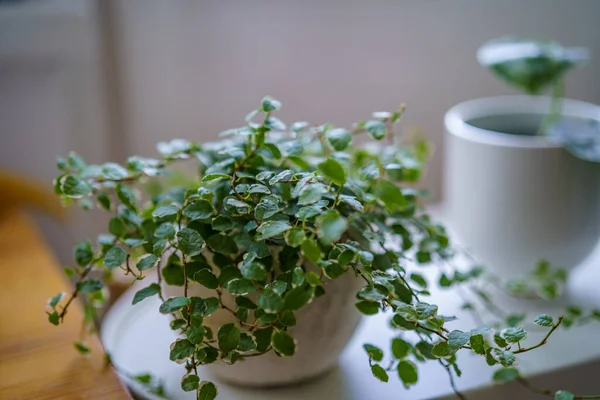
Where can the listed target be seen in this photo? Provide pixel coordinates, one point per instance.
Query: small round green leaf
(54, 318)
(240, 286)
(254, 271)
(478, 344)
(134, 242)
(504, 357)
(146, 262)
(443, 350)
(222, 223)
(181, 349)
(374, 352)
(391, 196)
(332, 170)
(564, 395)
(294, 237)
(117, 227)
(228, 337)
(222, 244)
(379, 373)
(339, 138)
(89, 286)
(407, 371)
(196, 334)
(283, 343)
(208, 391)
(458, 339)
(82, 348)
(189, 242)
(114, 258)
(310, 194)
(247, 343)
(330, 227)
(74, 188)
(312, 278)
(173, 304)
(173, 274)
(544, 320)
(270, 301)
(212, 177)
(270, 104)
(190, 382)
(83, 253)
(263, 338)
(376, 129)
(513, 334)
(206, 278)
(265, 209)
(245, 302)
(426, 311)
(368, 307)
(419, 280)
(165, 211)
(298, 297)
(126, 196)
(400, 348)
(405, 310)
(200, 209)
(499, 340)
(282, 176)
(271, 229)
(151, 290)
(311, 250)
(298, 277)
(53, 302)
(506, 375)
(372, 293)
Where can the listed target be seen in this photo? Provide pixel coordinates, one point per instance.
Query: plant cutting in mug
(537, 66)
(274, 216)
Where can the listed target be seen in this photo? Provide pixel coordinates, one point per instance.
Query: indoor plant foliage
(273, 217)
(538, 66)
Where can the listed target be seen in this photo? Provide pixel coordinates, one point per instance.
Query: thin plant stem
(543, 341)
(452, 383)
(555, 107)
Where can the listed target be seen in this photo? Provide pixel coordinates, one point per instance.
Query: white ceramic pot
(514, 198)
(323, 329)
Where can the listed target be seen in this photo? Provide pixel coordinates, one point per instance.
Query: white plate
(138, 339)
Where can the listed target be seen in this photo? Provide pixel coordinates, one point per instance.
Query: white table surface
(138, 339)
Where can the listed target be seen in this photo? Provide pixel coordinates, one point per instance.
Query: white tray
(138, 338)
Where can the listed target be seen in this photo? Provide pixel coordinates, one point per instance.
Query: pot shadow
(332, 385)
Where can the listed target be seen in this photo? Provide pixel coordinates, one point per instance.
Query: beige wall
(194, 68)
(52, 99)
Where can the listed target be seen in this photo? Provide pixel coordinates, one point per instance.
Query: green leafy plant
(267, 199)
(538, 66)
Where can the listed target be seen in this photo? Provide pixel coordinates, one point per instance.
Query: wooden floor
(38, 360)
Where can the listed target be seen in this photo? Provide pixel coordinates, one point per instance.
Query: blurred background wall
(124, 74)
(53, 98)
(194, 68)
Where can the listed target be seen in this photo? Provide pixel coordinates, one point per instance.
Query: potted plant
(522, 172)
(285, 238)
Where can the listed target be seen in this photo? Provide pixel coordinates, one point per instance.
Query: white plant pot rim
(456, 118)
